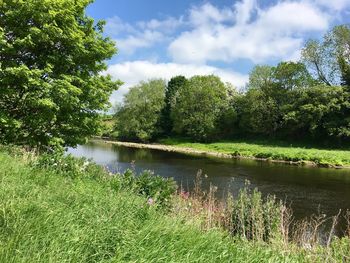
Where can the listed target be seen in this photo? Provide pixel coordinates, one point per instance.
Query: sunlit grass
(48, 216)
(270, 150)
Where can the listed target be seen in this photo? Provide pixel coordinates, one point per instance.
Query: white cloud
(207, 14)
(336, 5)
(145, 39)
(206, 33)
(132, 72)
(143, 34)
(244, 10)
(246, 31)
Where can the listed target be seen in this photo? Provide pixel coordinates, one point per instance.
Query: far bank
(331, 158)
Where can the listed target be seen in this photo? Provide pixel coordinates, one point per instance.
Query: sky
(227, 38)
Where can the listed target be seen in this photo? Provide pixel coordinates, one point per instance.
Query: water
(308, 190)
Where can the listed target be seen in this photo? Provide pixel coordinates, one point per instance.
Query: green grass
(270, 150)
(47, 216)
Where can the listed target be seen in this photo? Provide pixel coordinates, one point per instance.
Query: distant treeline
(309, 99)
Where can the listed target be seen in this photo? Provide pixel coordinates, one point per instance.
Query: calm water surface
(308, 190)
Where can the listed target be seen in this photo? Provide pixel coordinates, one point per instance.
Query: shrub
(158, 188)
(253, 218)
(69, 165)
(155, 188)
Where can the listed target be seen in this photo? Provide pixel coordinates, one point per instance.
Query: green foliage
(51, 57)
(329, 60)
(68, 165)
(292, 100)
(198, 107)
(270, 149)
(172, 90)
(139, 116)
(253, 218)
(156, 189)
(258, 113)
(291, 75)
(147, 184)
(322, 116)
(49, 217)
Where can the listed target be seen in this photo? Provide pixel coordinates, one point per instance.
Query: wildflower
(150, 201)
(184, 194)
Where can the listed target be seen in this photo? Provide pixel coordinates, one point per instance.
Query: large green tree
(329, 59)
(51, 58)
(269, 91)
(138, 118)
(198, 107)
(319, 112)
(172, 89)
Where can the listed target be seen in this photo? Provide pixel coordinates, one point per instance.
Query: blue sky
(163, 38)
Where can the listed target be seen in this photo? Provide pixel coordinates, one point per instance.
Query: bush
(69, 165)
(156, 189)
(254, 218)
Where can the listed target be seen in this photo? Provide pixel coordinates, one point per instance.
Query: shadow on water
(308, 190)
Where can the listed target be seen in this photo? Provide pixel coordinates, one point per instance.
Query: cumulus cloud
(143, 34)
(245, 31)
(132, 72)
(336, 5)
(207, 34)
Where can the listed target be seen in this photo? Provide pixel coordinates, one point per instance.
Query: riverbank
(68, 210)
(252, 150)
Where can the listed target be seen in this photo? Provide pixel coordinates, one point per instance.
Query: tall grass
(252, 218)
(77, 212)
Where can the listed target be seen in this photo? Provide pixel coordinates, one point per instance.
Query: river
(307, 190)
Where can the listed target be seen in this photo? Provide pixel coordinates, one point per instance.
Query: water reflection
(308, 190)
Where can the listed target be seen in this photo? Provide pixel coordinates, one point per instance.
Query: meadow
(67, 210)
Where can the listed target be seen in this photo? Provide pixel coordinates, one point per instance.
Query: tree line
(309, 99)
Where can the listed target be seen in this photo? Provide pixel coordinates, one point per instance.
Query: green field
(271, 150)
(52, 216)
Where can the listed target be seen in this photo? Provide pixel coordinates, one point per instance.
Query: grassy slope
(271, 150)
(45, 217)
(49, 217)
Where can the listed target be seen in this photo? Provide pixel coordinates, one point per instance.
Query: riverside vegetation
(270, 150)
(305, 101)
(62, 209)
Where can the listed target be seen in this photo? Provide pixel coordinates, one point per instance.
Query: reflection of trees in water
(127, 154)
(142, 154)
(99, 145)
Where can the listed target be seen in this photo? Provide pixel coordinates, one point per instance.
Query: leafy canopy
(199, 106)
(51, 59)
(139, 116)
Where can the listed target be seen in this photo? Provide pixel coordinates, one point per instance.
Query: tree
(269, 91)
(138, 117)
(329, 59)
(198, 107)
(260, 77)
(51, 57)
(319, 112)
(227, 124)
(292, 75)
(258, 113)
(172, 89)
(339, 37)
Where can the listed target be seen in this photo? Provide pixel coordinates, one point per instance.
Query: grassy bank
(57, 210)
(271, 150)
